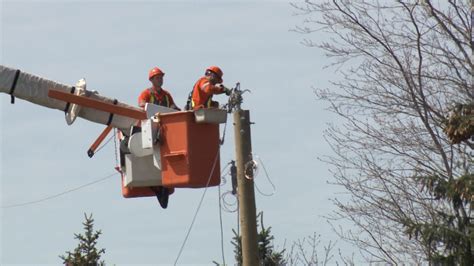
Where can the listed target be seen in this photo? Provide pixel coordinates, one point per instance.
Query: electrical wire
(267, 176)
(201, 200)
(59, 194)
(223, 180)
(226, 205)
(103, 145)
(197, 209)
(222, 227)
(223, 175)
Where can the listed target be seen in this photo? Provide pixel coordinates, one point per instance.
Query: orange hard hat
(155, 71)
(216, 70)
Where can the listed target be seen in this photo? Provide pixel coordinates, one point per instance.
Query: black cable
(12, 89)
(66, 108)
(111, 115)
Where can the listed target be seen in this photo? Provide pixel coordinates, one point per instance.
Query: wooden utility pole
(245, 188)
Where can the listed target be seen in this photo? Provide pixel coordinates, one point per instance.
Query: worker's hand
(226, 90)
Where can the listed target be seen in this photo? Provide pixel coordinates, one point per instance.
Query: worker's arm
(211, 89)
(143, 98)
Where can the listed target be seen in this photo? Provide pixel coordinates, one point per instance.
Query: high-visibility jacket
(202, 93)
(152, 95)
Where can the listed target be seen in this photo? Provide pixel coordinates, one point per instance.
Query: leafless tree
(307, 251)
(403, 65)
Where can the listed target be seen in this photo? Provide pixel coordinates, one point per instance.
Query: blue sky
(113, 45)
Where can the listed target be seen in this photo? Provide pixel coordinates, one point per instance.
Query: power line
(59, 194)
(107, 142)
(226, 204)
(197, 209)
(202, 197)
(268, 178)
(222, 229)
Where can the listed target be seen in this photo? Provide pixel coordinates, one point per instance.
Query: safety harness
(154, 99)
(190, 102)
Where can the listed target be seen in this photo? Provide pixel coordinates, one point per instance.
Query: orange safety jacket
(152, 95)
(202, 93)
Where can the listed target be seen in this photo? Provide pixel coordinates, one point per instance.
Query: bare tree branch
(403, 66)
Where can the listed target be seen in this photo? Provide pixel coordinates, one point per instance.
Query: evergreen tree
(451, 236)
(86, 252)
(266, 251)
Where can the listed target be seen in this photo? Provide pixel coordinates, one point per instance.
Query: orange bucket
(190, 151)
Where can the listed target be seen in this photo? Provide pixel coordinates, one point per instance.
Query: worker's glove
(226, 90)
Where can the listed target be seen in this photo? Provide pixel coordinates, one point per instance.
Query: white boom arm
(35, 89)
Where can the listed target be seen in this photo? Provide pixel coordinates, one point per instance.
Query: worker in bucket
(156, 94)
(205, 88)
